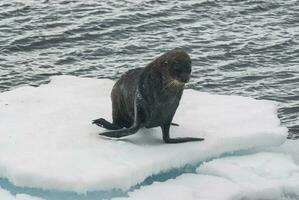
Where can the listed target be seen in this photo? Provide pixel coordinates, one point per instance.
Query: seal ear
(165, 63)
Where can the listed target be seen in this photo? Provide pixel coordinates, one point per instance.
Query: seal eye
(188, 69)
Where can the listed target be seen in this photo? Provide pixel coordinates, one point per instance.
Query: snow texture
(290, 147)
(187, 187)
(260, 176)
(5, 195)
(264, 175)
(47, 140)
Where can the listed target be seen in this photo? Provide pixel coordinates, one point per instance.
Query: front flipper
(182, 140)
(174, 124)
(167, 139)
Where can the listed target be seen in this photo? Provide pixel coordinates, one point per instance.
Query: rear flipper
(126, 131)
(121, 132)
(105, 124)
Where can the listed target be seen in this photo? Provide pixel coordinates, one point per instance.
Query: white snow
(264, 175)
(187, 187)
(47, 139)
(5, 195)
(261, 176)
(290, 147)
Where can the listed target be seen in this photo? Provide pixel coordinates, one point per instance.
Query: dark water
(248, 48)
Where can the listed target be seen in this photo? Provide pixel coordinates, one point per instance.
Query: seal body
(149, 97)
(157, 102)
(123, 97)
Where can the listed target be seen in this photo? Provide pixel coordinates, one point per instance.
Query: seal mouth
(173, 83)
(183, 81)
(176, 82)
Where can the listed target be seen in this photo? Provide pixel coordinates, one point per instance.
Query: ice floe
(290, 147)
(263, 175)
(47, 140)
(5, 195)
(187, 186)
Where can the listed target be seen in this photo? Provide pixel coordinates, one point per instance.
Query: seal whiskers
(171, 84)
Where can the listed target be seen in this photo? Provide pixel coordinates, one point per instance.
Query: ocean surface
(248, 48)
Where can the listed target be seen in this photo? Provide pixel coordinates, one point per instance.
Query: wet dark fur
(148, 97)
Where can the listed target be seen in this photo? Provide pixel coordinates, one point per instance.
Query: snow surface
(187, 187)
(5, 195)
(260, 176)
(47, 139)
(290, 147)
(263, 175)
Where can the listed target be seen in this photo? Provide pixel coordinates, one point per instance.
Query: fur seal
(149, 96)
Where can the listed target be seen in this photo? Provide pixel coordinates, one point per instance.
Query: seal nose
(185, 79)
